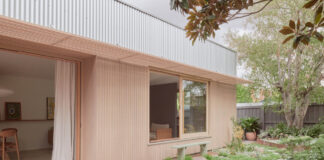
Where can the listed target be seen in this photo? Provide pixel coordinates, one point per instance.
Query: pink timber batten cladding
(117, 125)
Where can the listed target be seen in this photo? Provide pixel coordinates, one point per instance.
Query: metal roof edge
(165, 21)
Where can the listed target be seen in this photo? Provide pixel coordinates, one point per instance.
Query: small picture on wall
(13, 110)
(50, 101)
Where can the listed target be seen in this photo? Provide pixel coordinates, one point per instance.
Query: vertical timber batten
(121, 111)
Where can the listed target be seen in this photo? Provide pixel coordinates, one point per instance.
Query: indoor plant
(251, 126)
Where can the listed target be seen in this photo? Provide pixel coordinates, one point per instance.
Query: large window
(164, 106)
(194, 104)
(178, 107)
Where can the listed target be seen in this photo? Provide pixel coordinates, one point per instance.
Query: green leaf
(310, 4)
(288, 38)
(286, 30)
(318, 14)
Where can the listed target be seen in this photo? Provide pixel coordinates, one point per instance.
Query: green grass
(253, 152)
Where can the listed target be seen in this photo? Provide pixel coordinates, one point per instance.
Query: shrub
(315, 130)
(281, 130)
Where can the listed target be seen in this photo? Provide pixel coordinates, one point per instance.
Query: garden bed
(278, 144)
(271, 143)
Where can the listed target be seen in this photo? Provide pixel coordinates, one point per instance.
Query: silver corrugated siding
(112, 22)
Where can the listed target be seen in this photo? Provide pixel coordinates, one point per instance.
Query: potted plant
(251, 127)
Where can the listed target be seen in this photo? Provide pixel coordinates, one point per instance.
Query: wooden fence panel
(269, 118)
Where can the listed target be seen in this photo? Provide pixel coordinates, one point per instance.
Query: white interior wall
(31, 93)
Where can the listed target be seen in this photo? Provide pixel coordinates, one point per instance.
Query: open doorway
(28, 101)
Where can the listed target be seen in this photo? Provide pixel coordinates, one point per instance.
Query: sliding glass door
(178, 107)
(194, 107)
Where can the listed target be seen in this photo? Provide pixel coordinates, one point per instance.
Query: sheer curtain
(63, 142)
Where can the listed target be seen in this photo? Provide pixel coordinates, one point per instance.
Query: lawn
(313, 149)
(251, 152)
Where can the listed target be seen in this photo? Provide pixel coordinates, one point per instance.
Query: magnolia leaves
(309, 29)
(205, 16)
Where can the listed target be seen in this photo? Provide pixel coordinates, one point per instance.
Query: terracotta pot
(251, 136)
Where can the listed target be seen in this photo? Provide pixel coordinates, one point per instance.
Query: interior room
(29, 87)
(28, 104)
(164, 106)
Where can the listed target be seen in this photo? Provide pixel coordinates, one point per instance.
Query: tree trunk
(289, 116)
(300, 112)
(289, 113)
(299, 121)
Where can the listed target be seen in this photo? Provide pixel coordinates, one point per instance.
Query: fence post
(262, 117)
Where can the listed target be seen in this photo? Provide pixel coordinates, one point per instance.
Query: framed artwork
(12, 111)
(50, 101)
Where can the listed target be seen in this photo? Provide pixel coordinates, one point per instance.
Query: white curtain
(63, 142)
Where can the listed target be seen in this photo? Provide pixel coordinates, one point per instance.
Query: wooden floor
(43, 154)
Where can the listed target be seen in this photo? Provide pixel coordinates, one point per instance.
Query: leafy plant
(315, 130)
(243, 94)
(303, 34)
(188, 158)
(250, 124)
(236, 144)
(206, 16)
(281, 130)
(209, 157)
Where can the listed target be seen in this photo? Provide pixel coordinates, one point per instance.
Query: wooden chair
(7, 146)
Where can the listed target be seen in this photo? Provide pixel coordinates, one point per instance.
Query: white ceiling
(26, 65)
(158, 78)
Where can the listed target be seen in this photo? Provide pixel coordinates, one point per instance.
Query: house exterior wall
(115, 122)
(112, 22)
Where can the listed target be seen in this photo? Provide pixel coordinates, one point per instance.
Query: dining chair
(8, 146)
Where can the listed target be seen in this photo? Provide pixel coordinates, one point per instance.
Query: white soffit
(33, 38)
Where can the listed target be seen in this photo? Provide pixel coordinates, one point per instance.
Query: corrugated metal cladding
(112, 22)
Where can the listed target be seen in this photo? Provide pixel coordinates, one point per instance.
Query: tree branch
(251, 13)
